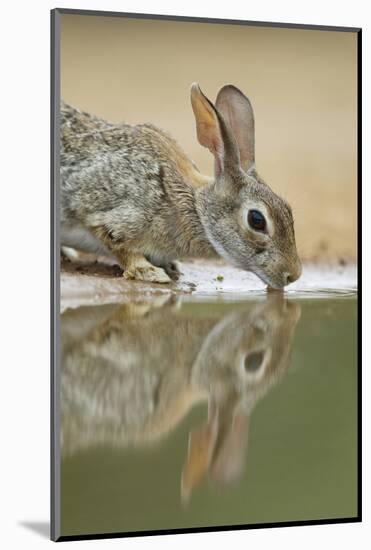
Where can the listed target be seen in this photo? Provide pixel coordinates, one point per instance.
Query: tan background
(302, 85)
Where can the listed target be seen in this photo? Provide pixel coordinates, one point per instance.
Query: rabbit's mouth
(278, 278)
(276, 281)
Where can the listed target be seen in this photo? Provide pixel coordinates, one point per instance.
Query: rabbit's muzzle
(292, 275)
(277, 275)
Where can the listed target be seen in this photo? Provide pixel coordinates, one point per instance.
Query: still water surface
(191, 414)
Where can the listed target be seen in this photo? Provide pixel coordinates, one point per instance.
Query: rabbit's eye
(253, 361)
(256, 220)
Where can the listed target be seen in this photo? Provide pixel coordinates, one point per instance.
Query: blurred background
(302, 85)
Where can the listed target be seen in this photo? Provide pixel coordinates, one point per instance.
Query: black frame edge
(225, 528)
(359, 269)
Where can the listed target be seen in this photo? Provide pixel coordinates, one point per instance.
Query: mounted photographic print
(205, 191)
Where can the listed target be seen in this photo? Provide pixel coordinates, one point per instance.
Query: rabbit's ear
(236, 110)
(213, 133)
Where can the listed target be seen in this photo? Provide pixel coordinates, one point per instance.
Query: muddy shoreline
(98, 282)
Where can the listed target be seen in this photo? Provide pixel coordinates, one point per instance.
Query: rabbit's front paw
(172, 270)
(148, 273)
(141, 270)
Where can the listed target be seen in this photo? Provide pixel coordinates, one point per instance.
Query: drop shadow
(42, 528)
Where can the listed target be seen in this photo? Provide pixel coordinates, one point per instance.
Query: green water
(267, 388)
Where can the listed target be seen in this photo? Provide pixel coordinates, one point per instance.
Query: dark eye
(253, 361)
(256, 220)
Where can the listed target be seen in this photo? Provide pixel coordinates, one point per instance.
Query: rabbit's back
(131, 182)
(106, 168)
(85, 137)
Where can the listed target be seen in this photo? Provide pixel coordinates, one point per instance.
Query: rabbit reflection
(129, 374)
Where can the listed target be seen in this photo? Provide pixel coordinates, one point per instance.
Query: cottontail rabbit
(137, 371)
(132, 193)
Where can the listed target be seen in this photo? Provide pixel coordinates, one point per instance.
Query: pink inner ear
(208, 131)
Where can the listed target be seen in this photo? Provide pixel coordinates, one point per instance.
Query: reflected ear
(236, 110)
(230, 454)
(200, 449)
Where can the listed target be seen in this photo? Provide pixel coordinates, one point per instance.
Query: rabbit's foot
(172, 270)
(141, 270)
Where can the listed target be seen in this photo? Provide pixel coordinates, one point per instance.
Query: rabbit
(130, 374)
(130, 192)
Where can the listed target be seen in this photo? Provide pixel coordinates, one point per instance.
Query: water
(200, 412)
